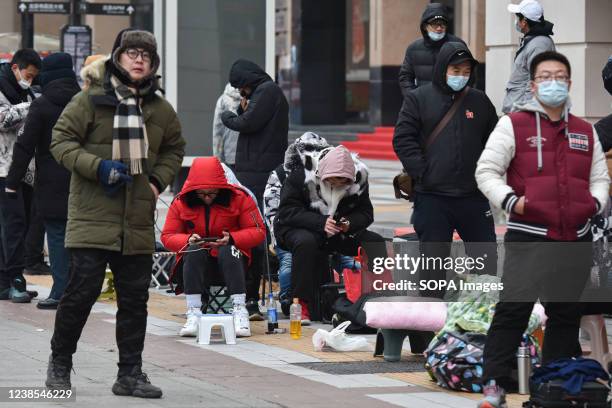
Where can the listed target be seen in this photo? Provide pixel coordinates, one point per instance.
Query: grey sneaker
(58, 375)
(136, 384)
(18, 292)
(494, 397)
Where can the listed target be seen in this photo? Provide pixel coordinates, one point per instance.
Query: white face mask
(23, 83)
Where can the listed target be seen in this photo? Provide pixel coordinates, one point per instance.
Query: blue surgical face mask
(517, 26)
(436, 36)
(457, 82)
(553, 93)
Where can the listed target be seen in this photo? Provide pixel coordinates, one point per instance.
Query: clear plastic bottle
(271, 312)
(295, 316)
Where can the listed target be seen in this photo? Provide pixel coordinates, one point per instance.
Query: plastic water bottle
(271, 312)
(295, 316)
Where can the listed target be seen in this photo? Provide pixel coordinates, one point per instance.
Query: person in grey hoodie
(224, 138)
(536, 39)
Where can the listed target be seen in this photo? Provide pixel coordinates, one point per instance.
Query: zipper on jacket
(255, 220)
(206, 219)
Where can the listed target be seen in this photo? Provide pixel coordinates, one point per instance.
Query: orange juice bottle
(295, 315)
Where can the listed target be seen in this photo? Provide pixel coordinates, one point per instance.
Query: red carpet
(377, 145)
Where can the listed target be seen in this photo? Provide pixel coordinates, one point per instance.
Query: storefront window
(357, 61)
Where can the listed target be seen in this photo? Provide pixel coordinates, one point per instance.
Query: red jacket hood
(206, 173)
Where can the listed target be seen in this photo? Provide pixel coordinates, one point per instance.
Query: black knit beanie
(56, 66)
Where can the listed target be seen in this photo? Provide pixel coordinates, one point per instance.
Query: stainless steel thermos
(523, 362)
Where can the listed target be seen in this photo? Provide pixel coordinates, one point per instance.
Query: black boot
(58, 374)
(136, 384)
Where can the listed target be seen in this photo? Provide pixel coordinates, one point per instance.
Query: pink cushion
(421, 316)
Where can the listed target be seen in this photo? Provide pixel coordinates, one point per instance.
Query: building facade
(337, 61)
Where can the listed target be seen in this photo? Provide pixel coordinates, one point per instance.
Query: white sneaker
(241, 321)
(190, 329)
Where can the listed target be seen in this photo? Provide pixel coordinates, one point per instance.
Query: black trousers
(256, 183)
(201, 270)
(537, 268)
(436, 218)
(35, 237)
(14, 221)
(132, 275)
(310, 267)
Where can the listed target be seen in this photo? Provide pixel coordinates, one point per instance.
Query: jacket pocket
(539, 200)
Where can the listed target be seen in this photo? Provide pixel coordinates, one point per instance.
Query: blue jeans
(341, 262)
(59, 257)
(284, 269)
(284, 272)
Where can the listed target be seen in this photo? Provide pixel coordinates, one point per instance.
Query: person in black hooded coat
(263, 122)
(417, 68)
(52, 181)
(447, 196)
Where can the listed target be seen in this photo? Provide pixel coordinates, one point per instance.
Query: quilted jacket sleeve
(493, 163)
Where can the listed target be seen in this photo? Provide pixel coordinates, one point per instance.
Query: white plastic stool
(208, 321)
(595, 326)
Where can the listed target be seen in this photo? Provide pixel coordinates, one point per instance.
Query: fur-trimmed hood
(94, 72)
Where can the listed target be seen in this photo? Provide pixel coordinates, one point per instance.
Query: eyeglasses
(549, 77)
(133, 53)
(438, 24)
(205, 194)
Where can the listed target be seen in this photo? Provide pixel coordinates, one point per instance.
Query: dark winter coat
(604, 132)
(417, 68)
(447, 167)
(52, 182)
(302, 204)
(263, 126)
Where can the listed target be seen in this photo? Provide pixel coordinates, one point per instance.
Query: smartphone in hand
(206, 239)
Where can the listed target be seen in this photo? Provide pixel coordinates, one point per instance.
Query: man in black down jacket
(604, 126)
(421, 55)
(263, 122)
(447, 196)
(52, 181)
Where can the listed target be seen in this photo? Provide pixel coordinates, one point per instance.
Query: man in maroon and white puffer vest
(545, 167)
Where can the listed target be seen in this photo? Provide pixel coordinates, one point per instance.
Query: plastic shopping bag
(338, 340)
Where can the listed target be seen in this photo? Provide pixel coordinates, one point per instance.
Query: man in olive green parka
(122, 142)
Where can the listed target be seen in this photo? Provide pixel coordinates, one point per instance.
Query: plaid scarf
(130, 143)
